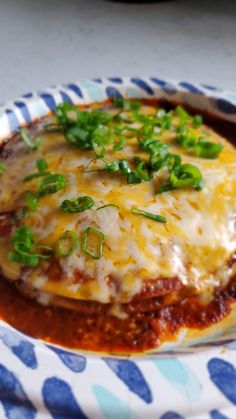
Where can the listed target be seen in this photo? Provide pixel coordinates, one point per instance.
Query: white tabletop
(47, 42)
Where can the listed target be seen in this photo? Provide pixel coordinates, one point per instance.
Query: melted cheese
(195, 244)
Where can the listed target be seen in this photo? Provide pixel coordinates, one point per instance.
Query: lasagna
(117, 226)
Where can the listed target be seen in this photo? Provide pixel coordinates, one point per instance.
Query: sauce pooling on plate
(118, 221)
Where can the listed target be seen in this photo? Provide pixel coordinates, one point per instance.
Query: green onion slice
(166, 122)
(133, 177)
(23, 238)
(51, 184)
(41, 165)
(147, 214)
(186, 139)
(182, 114)
(23, 243)
(113, 166)
(143, 172)
(120, 145)
(124, 167)
(79, 137)
(31, 143)
(158, 162)
(103, 135)
(186, 175)
(35, 176)
(31, 201)
(67, 244)
(92, 242)
(207, 149)
(78, 205)
(42, 171)
(98, 149)
(197, 121)
(23, 258)
(126, 104)
(174, 160)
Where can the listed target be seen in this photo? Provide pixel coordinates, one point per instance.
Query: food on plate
(117, 225)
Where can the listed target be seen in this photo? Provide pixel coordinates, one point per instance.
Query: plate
(45, 381)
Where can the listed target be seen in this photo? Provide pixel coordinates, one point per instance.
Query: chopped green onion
(98, 149)
(92, 242)
(133, 177)
(79, 137)
(182, 114)
(67, 244)
(82, 128)
(67, 114)
(147, 130)
(154, 147)
(78, 205)
(186, 139)
(23, 258)
(108, 205)
(23, 238)
(186, 175)
(31, 143)
(120, 145)
(166, 122)
(126, 104)
(31, 201)
(103, 135)
(113, 166)
(147, 214)
(142, 171)
(51, 184)
(174, 160)
(23, 244)
(2, 168)
(158, 162)
(92, 130)
(41, 165)
(197, 121)
(207, 149)
(35, 176)
(42, 171)
(124, 167)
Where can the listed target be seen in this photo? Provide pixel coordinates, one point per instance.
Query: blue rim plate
(45, 381)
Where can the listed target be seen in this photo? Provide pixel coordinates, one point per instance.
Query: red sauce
(150, 320)
(141, 331)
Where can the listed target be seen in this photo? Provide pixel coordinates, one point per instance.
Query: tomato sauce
(100, 332)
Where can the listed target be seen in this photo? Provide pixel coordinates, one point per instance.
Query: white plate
(41, 381)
